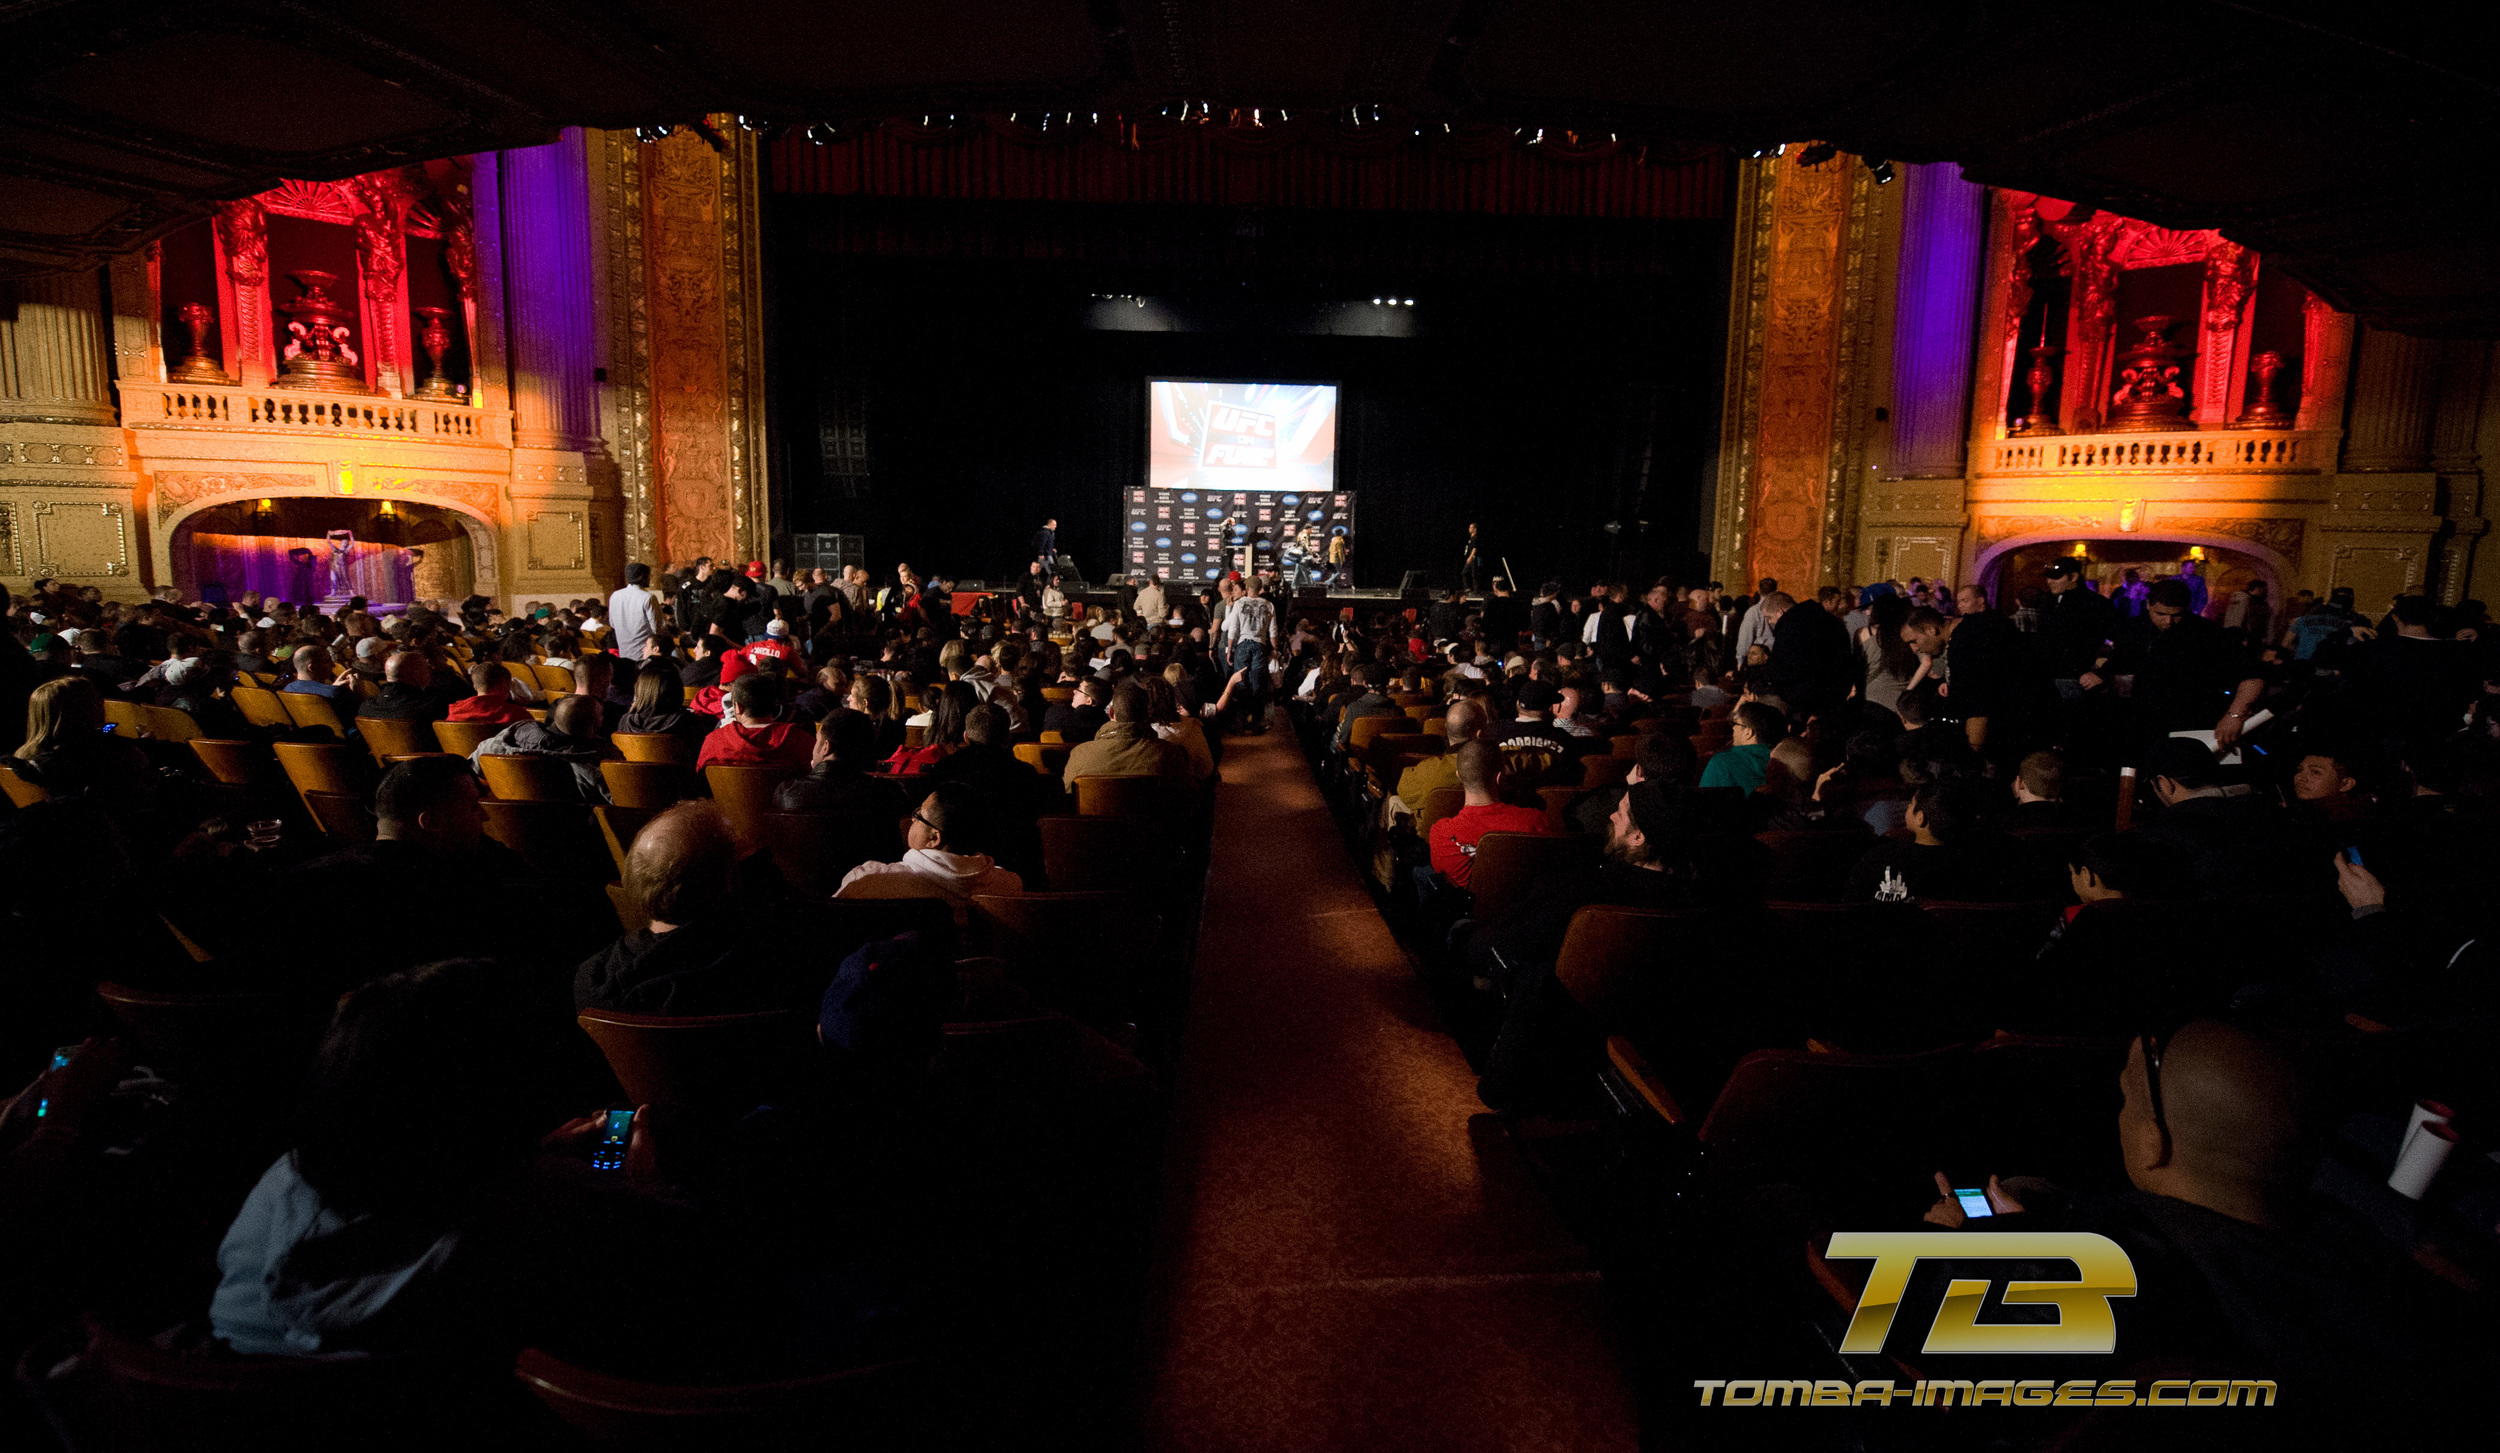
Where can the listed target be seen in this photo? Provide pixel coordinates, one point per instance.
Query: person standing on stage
(1339, 548)
(1046, 545)
(1471, 564)
(1248, 631)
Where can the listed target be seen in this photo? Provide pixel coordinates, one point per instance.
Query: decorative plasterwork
(625, 323)
(68, 536)
(1749, 296)
(48, 454)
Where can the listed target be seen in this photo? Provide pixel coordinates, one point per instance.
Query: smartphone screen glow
(609, 1154)
(1974, 1204)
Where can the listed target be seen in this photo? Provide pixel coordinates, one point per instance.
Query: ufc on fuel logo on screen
(2086, 1322)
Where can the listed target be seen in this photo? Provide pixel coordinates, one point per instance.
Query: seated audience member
(2040, 795)
(99, 663)
(1756, 728)
(432, 1235)
(1661, 758)
(430, 846)
(839, 776)
(1128, 747)
(1652, 831)
(2235, 846)
(1016, 795)
(1952, 855)
(1163, 713)
(832, 689)
(945, 848)
(594, 677)
(407, 690)
(874, 699)
(659, 710)
(699, 955)
(1453, 838)
(1788, 800)
(570, 734)
(493, 703)
(1077, 720)
(1464, 722)
(755, 735)
(2242, 1265)
(942, 735)
(69, 754)
(1371, 701)
(2328, 784)
(314, 672)
(1534, 726)
(703, 668)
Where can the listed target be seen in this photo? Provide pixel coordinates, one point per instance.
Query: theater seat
(1508, 864)
(388, 737)
(662, 747)
(883, 1405)
(707, 1065)
(111, 1392)
(168, 724)
(529, 779)
(1084, 854)
(1091, 954)
(1811, 867)
(221, 1042)
(813, 850)
(261, 707)
(22, 791)
(237, 764)
(461, 738)
(559, 839)
(1127, 796)
(344, 817)
(1866, 1133)
(618, 825)
(333, 767)
(745, 793)
(307, 710)
(652, 785)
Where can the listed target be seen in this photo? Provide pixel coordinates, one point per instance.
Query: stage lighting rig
(1817, 154)
(1880, 169)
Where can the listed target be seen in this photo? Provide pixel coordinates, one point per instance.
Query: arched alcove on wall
(247, 544)
(2229, 560)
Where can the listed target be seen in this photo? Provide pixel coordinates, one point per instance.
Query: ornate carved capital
(2230, 274)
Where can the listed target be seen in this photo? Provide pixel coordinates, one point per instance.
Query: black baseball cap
(2063, 566)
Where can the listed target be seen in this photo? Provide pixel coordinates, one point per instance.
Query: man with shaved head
(2244, 1270)
(1465, 721)
(698, 955)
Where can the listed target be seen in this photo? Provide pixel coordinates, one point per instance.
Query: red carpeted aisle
(1350, 1258)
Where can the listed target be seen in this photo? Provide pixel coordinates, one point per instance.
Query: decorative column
(2385, 515)
(1942, 254)
(2457, 460)
(1800, 336)
(545, 221)
(65, 481)
(2393, 391)
(2221, 375)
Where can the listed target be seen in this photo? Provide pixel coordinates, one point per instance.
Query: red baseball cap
(755, 568)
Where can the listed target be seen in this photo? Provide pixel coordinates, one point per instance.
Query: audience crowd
(311, 911)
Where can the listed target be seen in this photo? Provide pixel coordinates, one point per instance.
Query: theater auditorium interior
(768, 725)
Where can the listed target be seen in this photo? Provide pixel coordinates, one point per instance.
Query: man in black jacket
(1078, 719)
(1810, 656)
(2077, 627)
(407, 691)
(2189, 674)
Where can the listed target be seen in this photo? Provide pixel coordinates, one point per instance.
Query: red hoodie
(774, 744)
(497, 707)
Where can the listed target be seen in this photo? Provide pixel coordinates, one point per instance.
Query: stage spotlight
(1880, 169)
(1817, 154)
(818, 133)
(751, 123)
(659, 131)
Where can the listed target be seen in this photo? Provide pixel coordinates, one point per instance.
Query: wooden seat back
(388, 737)
(1129, 796)
(744, 794)
(307, 710)
(874, 1407)
(326, 767)
(261, 707)
(662, 747)
(460, 738)
(529, 779)
(702, 1066)
(653, 785)
(237, 764)
(1508, 864)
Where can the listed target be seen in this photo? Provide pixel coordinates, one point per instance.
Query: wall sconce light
(2196, 552)
(266, 507)
(389, 508)
(2081, 551)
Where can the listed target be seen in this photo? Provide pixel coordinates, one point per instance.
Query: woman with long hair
(872, 698)
(659, 709)
(1886, 662)
(71, 754)
(944, 735)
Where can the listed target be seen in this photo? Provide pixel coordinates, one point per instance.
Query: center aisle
(1350, 1256)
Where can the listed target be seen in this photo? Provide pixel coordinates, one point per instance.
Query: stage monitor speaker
(828, 552)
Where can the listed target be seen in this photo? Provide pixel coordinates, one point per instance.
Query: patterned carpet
(1352, 1255)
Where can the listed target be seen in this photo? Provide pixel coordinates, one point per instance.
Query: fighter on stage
(1471, 564)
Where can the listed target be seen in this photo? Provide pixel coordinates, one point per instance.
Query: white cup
(2418, 1164)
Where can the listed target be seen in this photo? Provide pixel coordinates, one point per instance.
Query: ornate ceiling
(2343, 141)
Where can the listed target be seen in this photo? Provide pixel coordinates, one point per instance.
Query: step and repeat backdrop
(1240, 476)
